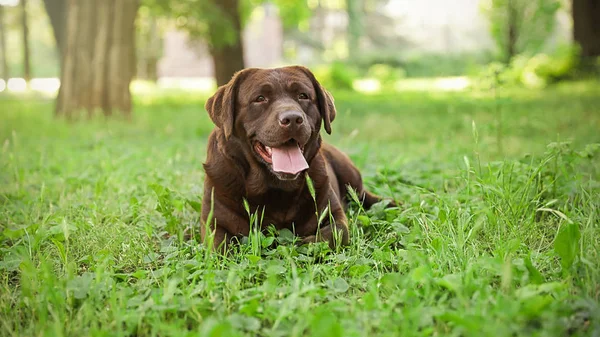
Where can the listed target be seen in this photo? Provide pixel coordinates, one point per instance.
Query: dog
(266, 141)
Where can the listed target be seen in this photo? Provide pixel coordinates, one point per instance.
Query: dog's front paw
(339, 236)
(308, 239)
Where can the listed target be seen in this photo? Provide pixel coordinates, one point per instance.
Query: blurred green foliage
(535, 71)
(44, 58)
(337, 75)
(386, 74)
(341, 74)
(432, 65)
(529, 67)
(205, 21)
(531, 22)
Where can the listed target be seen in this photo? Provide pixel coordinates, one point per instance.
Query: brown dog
(267, 135)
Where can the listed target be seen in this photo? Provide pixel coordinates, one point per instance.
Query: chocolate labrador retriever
(266, 139)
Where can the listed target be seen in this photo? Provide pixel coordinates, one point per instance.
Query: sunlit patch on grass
(143, 87)
(367, 85)
(50, 86)
(434, 84)
(370, 85)
(9, 3)
(17, 85)
(195, 84)
(45, 85)
(453, 83)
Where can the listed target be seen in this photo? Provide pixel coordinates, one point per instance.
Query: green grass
(498, 234)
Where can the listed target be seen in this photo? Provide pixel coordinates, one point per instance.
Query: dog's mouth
(286, 160)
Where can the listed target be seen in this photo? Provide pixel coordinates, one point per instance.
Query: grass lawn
(498, 234)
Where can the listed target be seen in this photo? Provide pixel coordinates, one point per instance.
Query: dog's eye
(303, 96)
(260, 99)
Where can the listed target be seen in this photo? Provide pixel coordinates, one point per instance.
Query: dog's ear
(328, 112)
(324, 100)
(221, 105)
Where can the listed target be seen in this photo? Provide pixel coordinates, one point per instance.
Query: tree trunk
(3, 53)
(149, 50)
(227, 59)
(57, 12)
(355, 28)
(586, 28)
(155, 44)
(512, 30)
(25, 28)
(99, 57)
(151, 69)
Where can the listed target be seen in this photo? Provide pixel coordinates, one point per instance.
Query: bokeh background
(365, 45)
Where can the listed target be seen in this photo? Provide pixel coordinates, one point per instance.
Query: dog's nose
(292, 118)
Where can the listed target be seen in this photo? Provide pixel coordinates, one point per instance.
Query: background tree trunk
(355, 27)
(512, 30)
(3, 53)
(25, 30)
(586, 28)
(156, 49)
(149, 49)
(57, 12)
(228, 59)
(98, 61)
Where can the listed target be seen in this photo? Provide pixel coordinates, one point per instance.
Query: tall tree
(25, 31)
(228, 56)
(216, 22)
(98, 60)
(355, 26)
(3, 53)
(519, 26)
(149, 45)
(219, 23)
(57, 12)
(512, 29)
(586, 27)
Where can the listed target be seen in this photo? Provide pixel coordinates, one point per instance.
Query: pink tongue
(288, 159)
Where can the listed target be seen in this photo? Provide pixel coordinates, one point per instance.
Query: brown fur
(235, 172)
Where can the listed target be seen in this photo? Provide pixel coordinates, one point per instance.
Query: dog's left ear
(324, 100)
(221, 105)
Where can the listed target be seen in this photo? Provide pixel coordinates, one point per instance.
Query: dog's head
(276, 114)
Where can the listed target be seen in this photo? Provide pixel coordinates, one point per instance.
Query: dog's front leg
(334, 226)
(221, 221)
